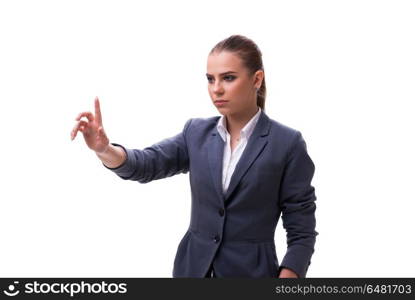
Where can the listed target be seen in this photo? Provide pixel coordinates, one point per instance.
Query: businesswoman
(245, 171)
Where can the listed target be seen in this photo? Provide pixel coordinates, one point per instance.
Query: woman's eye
(227, 78)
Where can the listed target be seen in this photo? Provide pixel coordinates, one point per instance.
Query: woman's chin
(223, 110)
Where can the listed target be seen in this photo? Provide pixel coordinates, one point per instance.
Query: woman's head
(244, 87)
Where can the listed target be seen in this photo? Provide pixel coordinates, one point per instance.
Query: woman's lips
(220, 102)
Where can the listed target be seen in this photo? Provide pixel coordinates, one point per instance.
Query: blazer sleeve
(163, 159)
(297, 202)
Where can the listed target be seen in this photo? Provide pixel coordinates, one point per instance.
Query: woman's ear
(258, 77)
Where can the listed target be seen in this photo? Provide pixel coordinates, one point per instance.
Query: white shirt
(230, 159)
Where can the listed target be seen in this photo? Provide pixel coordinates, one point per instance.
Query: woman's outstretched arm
(163, 159)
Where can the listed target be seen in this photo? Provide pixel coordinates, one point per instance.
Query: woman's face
(229, 80)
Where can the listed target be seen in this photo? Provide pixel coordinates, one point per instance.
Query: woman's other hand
(287, 273)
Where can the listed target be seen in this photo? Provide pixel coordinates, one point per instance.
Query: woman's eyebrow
(207, 74)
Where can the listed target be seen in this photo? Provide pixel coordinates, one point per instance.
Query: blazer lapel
(256, 143)
(215, 157)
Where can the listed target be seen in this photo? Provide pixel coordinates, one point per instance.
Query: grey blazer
(234, 231)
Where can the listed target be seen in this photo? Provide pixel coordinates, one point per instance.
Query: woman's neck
(235, 123)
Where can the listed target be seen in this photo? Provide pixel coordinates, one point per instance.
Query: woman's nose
(217, 88)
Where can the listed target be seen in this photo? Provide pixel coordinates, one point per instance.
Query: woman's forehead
(222, 62)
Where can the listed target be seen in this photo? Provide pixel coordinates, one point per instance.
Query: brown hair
(251, 58)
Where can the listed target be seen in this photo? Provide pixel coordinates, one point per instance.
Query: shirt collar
(245, 132)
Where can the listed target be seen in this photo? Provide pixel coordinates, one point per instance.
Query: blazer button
(216, 239)
(221, 212)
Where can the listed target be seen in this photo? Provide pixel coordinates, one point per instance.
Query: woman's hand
(93, 130)
(287, 273)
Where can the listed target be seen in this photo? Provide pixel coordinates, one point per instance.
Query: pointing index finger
(98, 111)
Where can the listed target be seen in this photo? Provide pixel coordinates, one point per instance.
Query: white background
(341, 72)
